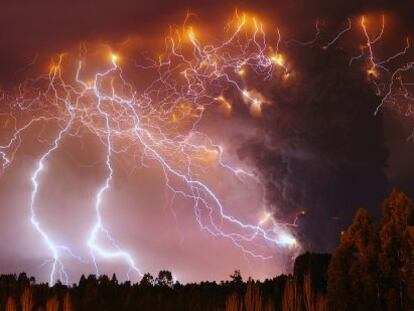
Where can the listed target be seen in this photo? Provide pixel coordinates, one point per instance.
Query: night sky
(318, 151)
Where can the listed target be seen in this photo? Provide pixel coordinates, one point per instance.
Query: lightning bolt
(161, 122)
(53, 247)
(99, 226)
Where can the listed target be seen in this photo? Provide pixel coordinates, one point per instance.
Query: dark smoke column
(322, 149)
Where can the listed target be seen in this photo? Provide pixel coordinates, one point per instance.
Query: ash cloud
(321, 149)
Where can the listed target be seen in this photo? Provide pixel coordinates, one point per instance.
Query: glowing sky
(302, 147)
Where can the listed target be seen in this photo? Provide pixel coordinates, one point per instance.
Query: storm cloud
(321, 151)
(318, 147)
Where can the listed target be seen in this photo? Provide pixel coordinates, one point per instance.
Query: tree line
(371, 269)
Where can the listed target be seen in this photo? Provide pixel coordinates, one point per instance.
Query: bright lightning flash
(161, 123)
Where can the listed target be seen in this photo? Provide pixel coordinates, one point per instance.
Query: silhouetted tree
(114, 280)
(26, 300)
(164, 279)
(52, 304)
(253, 297)
(353, 273)
(308, 293)
(23, 280)
(104, 280)
(10, 304)
(314, 266)
(82, 281)
(234, 303)
(291, 295)
(269, 306)
(236, 277)
(370, 270)
(396, 257)
(147, 280)
(67, 302)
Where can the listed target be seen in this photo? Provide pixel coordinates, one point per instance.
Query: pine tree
(308, 293)
(52, 304)
(270, 306)
(396, 256)
(11, 304)
(236, 277)
(253, 297)
(321, 302)
(26, 300)
(339, 292)
(234, 303)
(353, 273)
(164, 279)
(67, 302)
(114, 279)
(291, 296)
(147, 280)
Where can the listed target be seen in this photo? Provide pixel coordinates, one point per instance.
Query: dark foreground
(371, 269)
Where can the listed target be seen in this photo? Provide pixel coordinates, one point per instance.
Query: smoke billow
(322, 149)
(317, 146)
